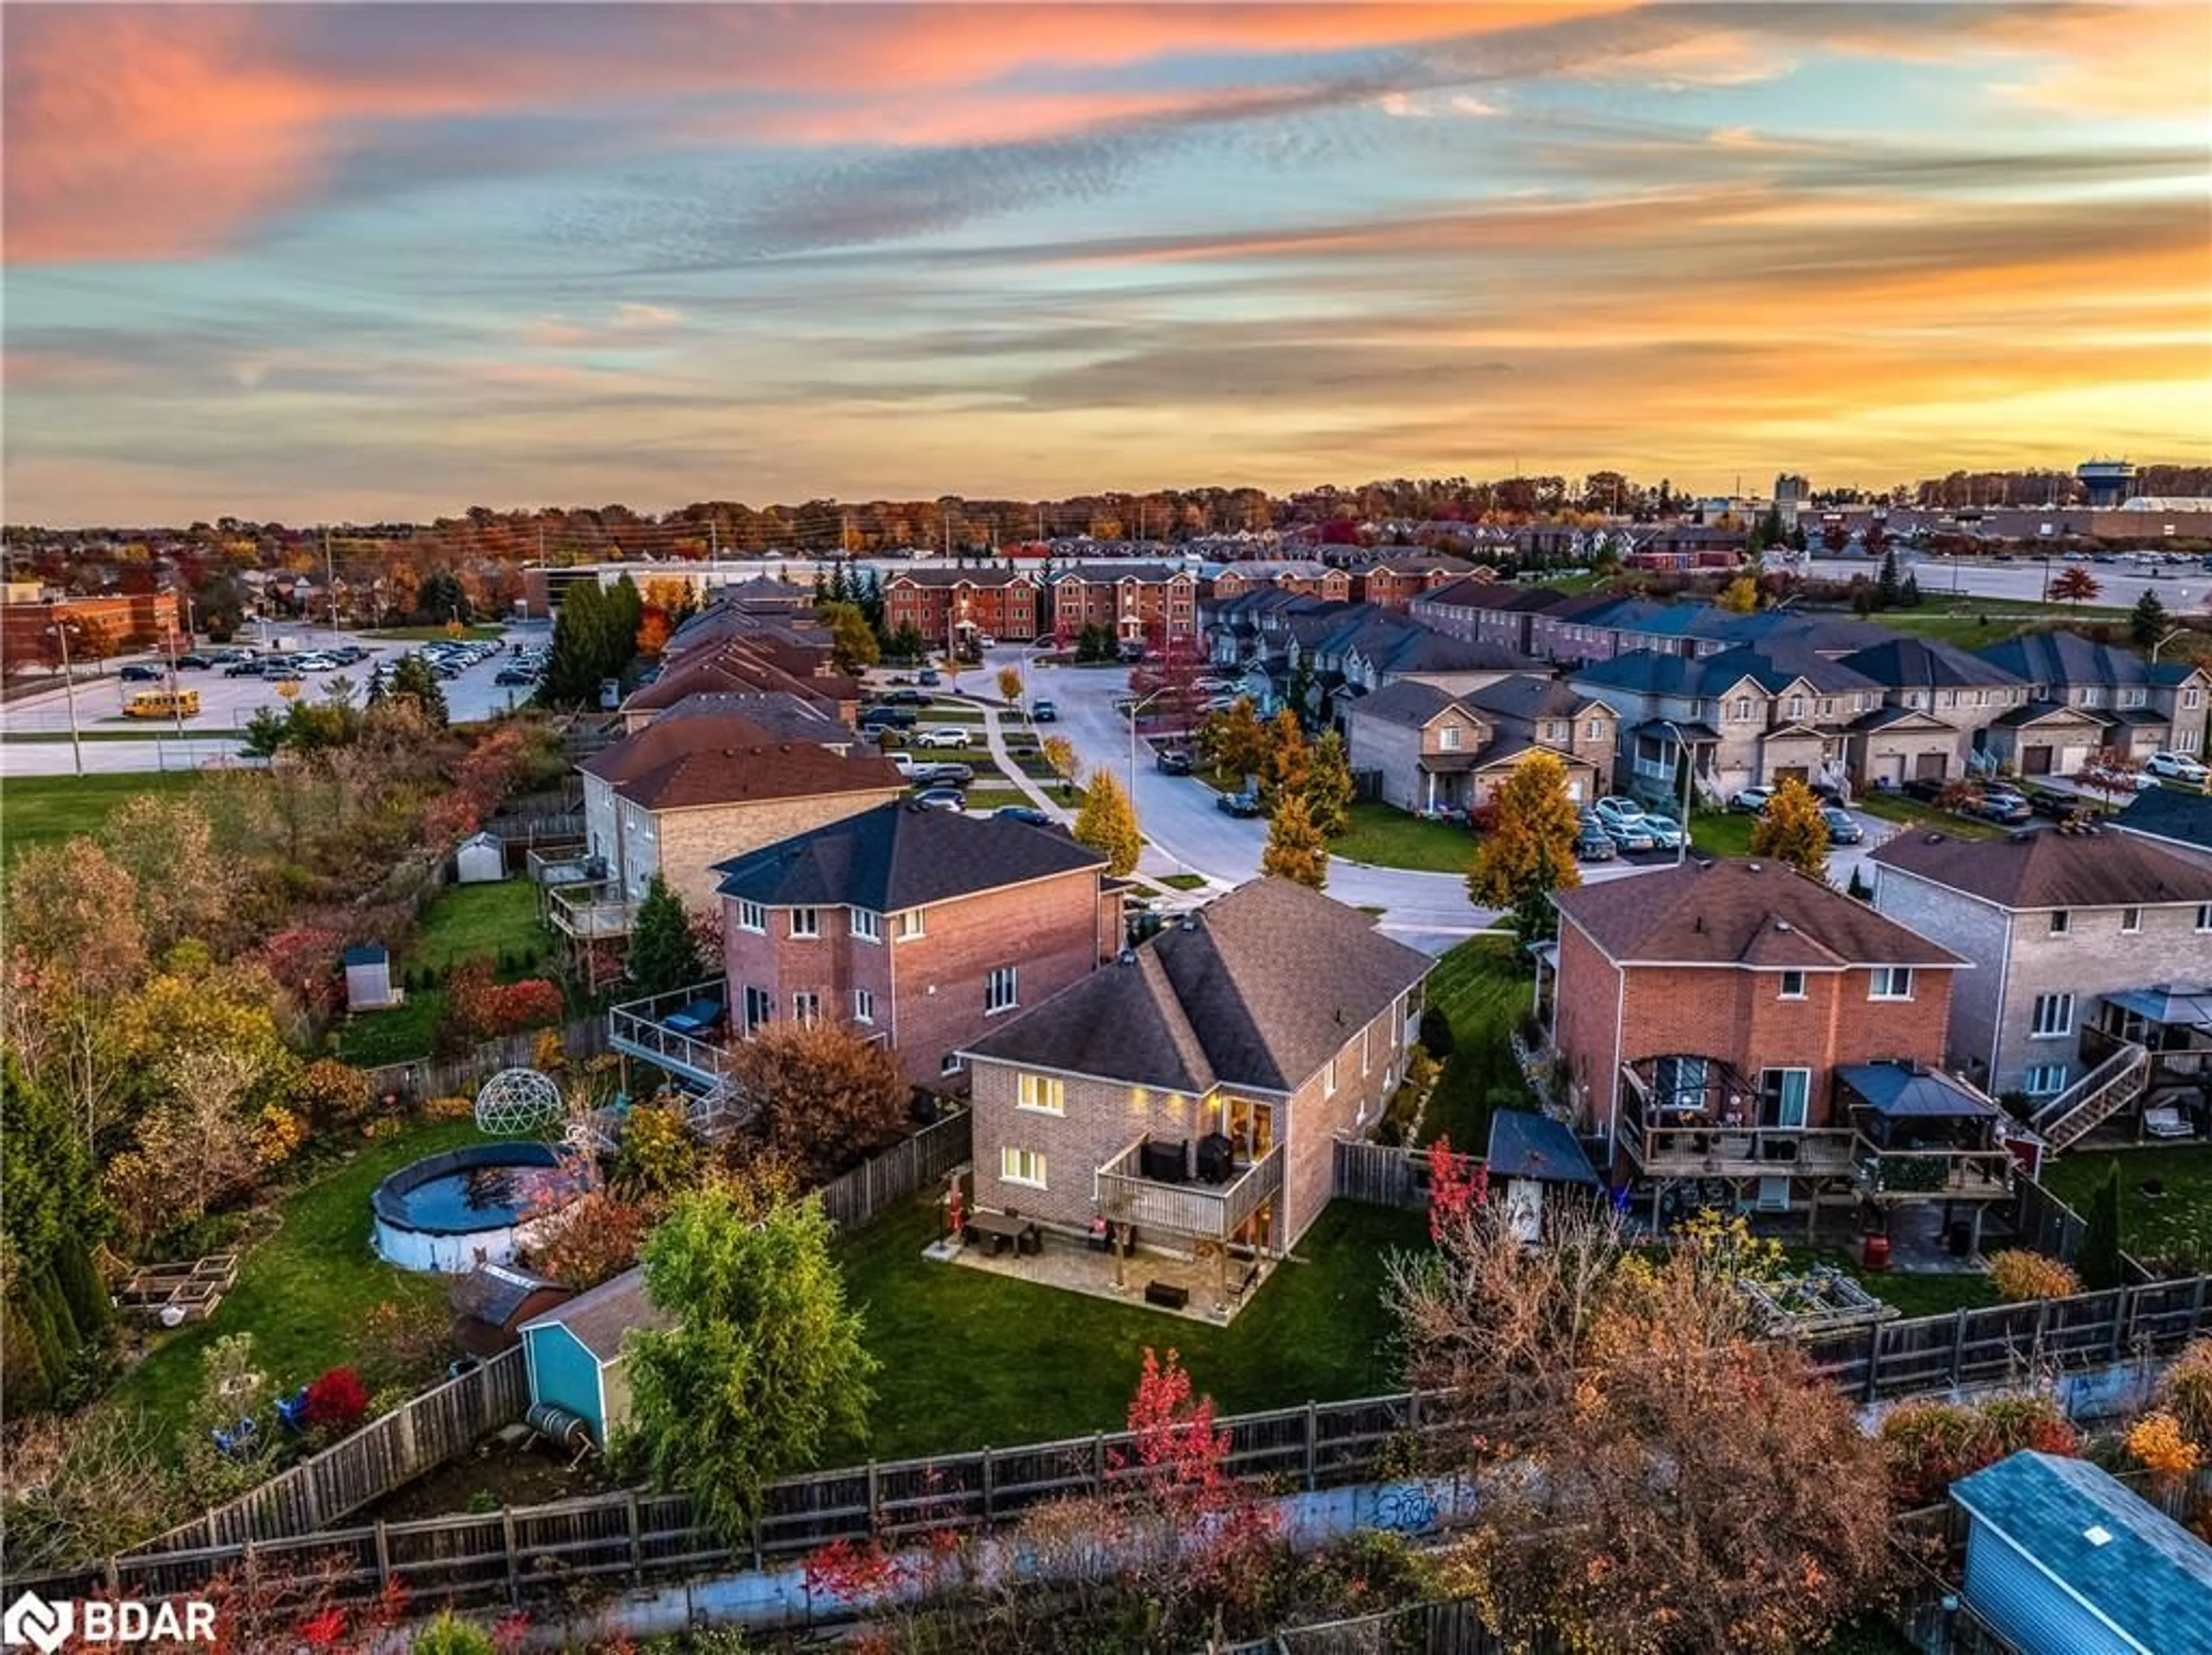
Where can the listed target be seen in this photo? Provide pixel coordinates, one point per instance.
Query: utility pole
(176, 701)
(60, 629)
(330, 580)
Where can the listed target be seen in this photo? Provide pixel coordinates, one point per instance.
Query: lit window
(806, 923)
(1329, 1083)
(2130, 919)
(2051, 1017)
(864, 1005)
(1022, 1166)
(999, 994)
(807, 1008)
(751, 916)
(1891, 982)
(1045, 1093)
(1793, 985)
(908, 925)
(867, 925)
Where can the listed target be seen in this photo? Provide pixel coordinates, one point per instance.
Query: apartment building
(949, 604)
(1155, 604)
(1394, 579)
(1294, 574)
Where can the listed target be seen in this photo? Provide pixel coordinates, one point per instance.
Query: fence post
(1958, 1345)
(2197, 1307)
(2123, 1314)
(383, 1557)
(989, 1479)
(637, 1539)
(1098, 1462)
(2042, 1323)
(875, 1500)
(1313, 1445)
(507, 1537)
(1874, 1363)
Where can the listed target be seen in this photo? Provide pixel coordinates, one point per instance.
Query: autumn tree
(1330, 790)
(1295, 849)
(760, 1366)
(1234, 739)
(2075, 585)
(1060, 753)
(187, 886)
(1791, 830)
(1287, 763)
(653, 631)
(824, 1095)
(664, 954)
(1010, 684)
(1530, 852)
(1108, 823)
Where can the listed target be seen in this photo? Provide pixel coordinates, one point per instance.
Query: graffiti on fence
(1408, 1507)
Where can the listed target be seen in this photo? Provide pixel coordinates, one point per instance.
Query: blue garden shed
(575, 1352)
(2064, 1560)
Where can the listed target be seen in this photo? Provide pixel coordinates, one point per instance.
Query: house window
(1024, 1166)
(2045, 1080)
(1594, 729)
(1793, 985)
(2051, 1017)
(2135, 697)
(1891, 982)
(760, 1008)
(751, 916)
(949, 1064)
(2204, 917)
(2061, 922)
(1739, 708)
(1448, 739)
(999, 994)
(806, 923)
(867, 925)
(1827, 706)
(1328, 1081)
(1045, 1093)
(1796, 706)
(864, 1005)
(908, 925)
(2130, 920)
(2192, 699)
(1782, 1096)
(807, 1008)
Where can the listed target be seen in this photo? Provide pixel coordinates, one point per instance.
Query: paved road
(114, 758)
(2180, 590)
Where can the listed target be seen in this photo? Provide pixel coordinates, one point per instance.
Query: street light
(1136, 708)
(1689, 768)
(2175, 633)
(59, 629)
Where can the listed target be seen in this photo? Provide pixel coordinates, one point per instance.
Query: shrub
(527, 1004)
(1436, 1035)
(2185, 1392)
(278, 1133)
(329, 1091)
(2019, 1274)
(2157, 1445)
(1931, 1445)
(449, 1109)
(337, 1401)
(447, 1635)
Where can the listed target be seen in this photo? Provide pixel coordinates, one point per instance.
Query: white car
(903, 764)
(1614, 808)
(2178, 767)
(1666, 832)
(942, 735)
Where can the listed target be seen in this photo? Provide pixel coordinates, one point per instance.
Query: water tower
(2109, 481)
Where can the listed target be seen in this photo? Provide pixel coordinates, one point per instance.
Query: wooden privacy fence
(883, 1180)
(447, 1077)
(1380, 1174)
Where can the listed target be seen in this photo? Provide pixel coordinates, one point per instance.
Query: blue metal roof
(1897, 1089)
(2136, 1568)
(366, 953)
(1526, 1145)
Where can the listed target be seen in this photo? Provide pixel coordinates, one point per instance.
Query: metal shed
(368, 978)
(480, 859)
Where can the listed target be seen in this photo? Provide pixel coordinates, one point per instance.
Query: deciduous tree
(825, 1095)
(1060, 753)
(1235, 741)
(1530, 852)
(2075, 584)
(1288, 763)
(1108, 823)
(1740, 596)
(853, 643)
(1792, 830)
(1295, 849)
(1328, 786)
(1010, 683)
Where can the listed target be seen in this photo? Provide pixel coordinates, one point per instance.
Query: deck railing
(1213, 1211)
(634, 1027)
(1740, 1152)
(589, 913)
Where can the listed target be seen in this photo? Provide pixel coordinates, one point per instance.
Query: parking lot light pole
(60, 629)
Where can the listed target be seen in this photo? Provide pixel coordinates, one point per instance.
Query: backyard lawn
(1895, 807)
(1971, 623)
(1723, 832)
(467, 921)
(1914, 1292)
(1481, 988)
(1385, 837)
(972, 1359)
(43, 809)
(2174, 1224)
(305, 1291)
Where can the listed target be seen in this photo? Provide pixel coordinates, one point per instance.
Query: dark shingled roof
(1527, 1146)
(597, 1319)
(1922, 664)
(780, 715)
(717, 758)
(2052, 869)
(1255, 989)
(1528, 696)
(2058, 658)
(1899, 1089)
(2169, 813)
(1741, 913)
(1409, 702)
(2148, 1576)
(900, 856)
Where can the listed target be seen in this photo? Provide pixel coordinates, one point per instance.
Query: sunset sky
(331, 262)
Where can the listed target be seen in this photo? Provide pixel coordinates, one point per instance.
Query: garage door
(1888, 770)
(1928, 767)
(2035, 761)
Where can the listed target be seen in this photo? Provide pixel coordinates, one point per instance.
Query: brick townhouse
(1285, 575)
(927, 926)
(1153, 604)
(1392, 580)
(1195, 1087)
(1735, 1020)
(1486, 612)
(961, 601)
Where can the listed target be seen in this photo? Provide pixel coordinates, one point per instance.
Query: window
(1891, 982)
(949, 1064)
(1328, 1081)
(1793, 985)
(760, 1008)
(864, 1005)
(1594, 729)
(1045, 1093)
(2130, 920)
(1448, 739)
(807, 1008)
(999, 989)
(2192, 699)
(2051, 1017)
(1796, 706)
(2135, 697)
(1021, 1167)
(1739, 708)
(751, 916)
(2045, 1080)
(806, 923)
(908, 925)
(2204, 917)
(1827, 706)
(2061, 922)
(867, 925)
(1782, 1096)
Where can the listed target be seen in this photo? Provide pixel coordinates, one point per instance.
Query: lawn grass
(972, 1359)
(1723, 832)
(2175, 1226)
(1385, 837)
(1183, 881)
(1972, 623)
(1480, 988)
(467, 921)
(1914, 1292)
(437, 634)
(38, 809)
(305, 1291)
(1895, 807)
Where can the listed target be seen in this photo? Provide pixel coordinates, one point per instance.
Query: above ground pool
(468, 1207)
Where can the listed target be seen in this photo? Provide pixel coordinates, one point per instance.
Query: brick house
(1486, 612)
(2079, 938)
(1153, 604)
(1294, 574)
(2138, 706)
(1393, 580)
(927, 926)
(959, 601)
(696, 787)
(1194, 1088)
(1431, 751)
(744, 665)
(1737, 1020)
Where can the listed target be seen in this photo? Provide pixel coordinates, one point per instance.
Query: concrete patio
(1074, 1268)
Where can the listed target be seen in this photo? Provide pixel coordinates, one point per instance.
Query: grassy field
(1972, 623)
(467, 921)
(1893, 808)
(42, 809)
(2174, 1224)
(1184, 881)
(1482, 990)
(1385, 837)
(1723, 832)
(972, 1359)
(304, 1293)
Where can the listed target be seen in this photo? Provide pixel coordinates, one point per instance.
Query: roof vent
(1127, 956)
(1781, 925)
(2097, 1535)
(1188, 923)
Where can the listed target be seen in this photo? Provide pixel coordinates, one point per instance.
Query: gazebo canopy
(2167, 1003)
(1528, 1145)
(1899, 1092)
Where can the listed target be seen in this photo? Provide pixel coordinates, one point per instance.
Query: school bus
(163, 704)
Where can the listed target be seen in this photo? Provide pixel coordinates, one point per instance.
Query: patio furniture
(699, 1018)
(1005, 1229)
(2168, 1122)
(1166, 1295)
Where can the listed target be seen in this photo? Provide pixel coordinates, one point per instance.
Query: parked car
(196, 663)
(2059, 806)
(1630, 833)
(1043, 712)
(2177, 767)
(888, 718)
(904, 764)
(1175, 762)
(242, 669)
(942, 799)
(2001, 804)
(1028, 813)
(1238, 804)
(1753, 800)
(1844, 828)
(1666, 832)
(938, 773)
(1593, 844)
(1926, 788)
(943, 735)
(931, 677)
(139, 672)
(515, 675)
(906, 698)
(1614, 808)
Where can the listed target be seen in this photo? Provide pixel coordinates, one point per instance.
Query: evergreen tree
(821, 586)
(1108, 823)
(868, 594)
(52, 1307)
(908, 643)
(413, 678)
(1908, 593)
(841, 588)
(2148, 621)
(1295, 849)
(1889, 593)
(664, 954)
(572, 662)
(1328, 786)
(2099, 1260)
